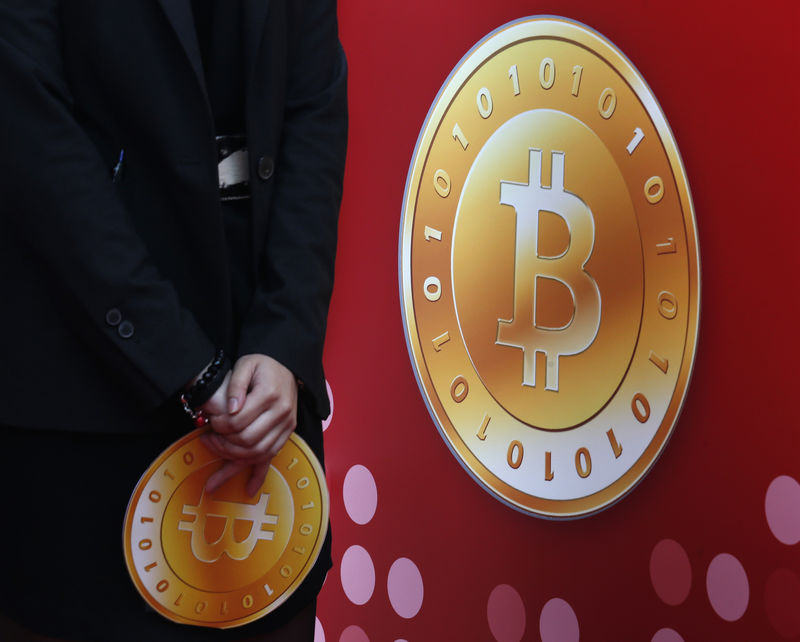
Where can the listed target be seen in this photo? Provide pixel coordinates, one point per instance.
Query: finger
(278, 444)
(261, 396)
(218, 445)
(229, 469)
(257, 477)
(276, 441)
(221, 447)
(224, 449)
(209, 443)
(224, 424)
(270, 385)
(277, 417)
(230, 425)
(268, 434)
(239, 384)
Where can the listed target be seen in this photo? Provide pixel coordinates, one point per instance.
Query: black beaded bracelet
(204, 388)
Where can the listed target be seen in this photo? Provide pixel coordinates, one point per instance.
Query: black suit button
(113, 317)
(266, 168)
(125, 329)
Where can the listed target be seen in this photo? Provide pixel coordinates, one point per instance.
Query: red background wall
(725, 75)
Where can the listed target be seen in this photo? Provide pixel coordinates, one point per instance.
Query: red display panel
(706, 546)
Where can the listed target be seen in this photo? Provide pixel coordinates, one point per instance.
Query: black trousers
(300, 628)
(63, 573)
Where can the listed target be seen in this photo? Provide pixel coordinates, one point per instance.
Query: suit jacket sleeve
(56, 193)
(288, 317)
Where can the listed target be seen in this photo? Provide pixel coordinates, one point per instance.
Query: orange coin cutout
(224, 559)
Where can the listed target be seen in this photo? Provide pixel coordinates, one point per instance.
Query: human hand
(251, 416)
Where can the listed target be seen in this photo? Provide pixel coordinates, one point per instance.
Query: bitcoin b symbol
(227, 543)
(522, 331)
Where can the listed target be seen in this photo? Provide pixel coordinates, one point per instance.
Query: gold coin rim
(319, 473)
(556, 27)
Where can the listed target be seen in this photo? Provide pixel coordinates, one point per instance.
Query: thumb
(241, 377)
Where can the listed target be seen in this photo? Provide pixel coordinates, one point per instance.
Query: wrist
(203, 387)
(197, 377)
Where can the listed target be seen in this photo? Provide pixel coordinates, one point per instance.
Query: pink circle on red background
(558, 622)
(405, 588)
(727, 587)
(782, 506)
(353, 633)
(782, 602)
(360, 494)
(506, 614)
(327, 421)
(319, 634)
(358, 574)
(670, 572)
(667, 635)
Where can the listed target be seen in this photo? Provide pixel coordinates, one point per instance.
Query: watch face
(549, 269)
(224, 559)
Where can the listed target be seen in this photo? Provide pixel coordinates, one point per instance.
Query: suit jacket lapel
(254, 16)
(179, 14)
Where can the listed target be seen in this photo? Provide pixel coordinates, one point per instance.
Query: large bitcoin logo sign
(225, 559)
(523, 331)
(549, 269)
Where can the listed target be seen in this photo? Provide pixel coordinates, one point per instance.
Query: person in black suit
(170, 179)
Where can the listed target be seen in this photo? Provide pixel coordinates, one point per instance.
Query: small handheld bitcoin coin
(549, 269)
(225, 559)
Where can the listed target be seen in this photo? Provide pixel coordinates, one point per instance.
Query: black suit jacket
(81, 80)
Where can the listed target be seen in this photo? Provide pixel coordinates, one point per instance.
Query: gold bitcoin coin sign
(549, 268)
(224, 559)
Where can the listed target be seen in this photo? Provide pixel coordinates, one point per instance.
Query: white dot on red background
(360, 494)
(667, 635)
(405, 588)
(782, 506)
(327, 421)
(353, 633)
(670, 572)
(558, 622)
(319, 634)
(727, 587)
(358, 574)
(506, 614)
